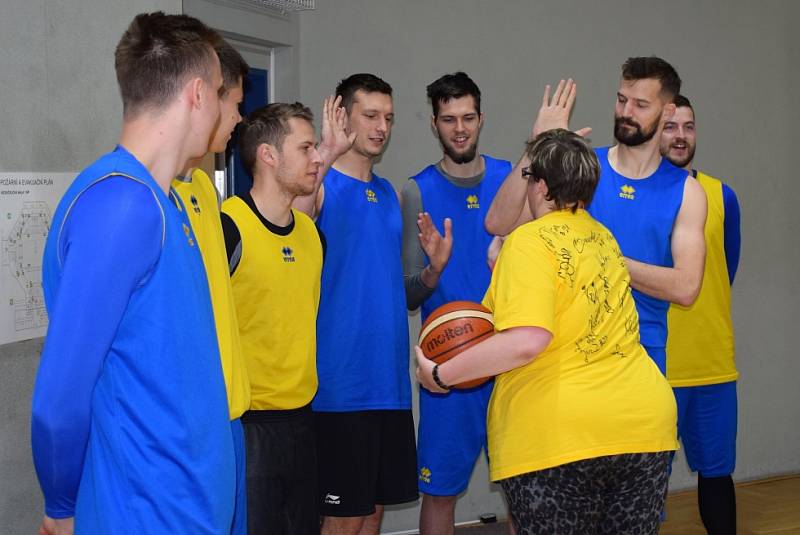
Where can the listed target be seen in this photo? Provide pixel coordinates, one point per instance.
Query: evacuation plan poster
(27, 203)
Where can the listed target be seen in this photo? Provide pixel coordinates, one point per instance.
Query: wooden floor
(766, 506)
(769, 506)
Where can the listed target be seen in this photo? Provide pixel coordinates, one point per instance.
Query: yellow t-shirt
(700, 346)
(593, 391)
(200, 198)
(276, 288)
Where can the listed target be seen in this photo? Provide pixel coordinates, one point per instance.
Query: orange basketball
(452, 328)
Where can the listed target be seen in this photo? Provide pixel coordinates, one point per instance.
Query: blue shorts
(452, 432)
(659, 356)
(707, 427)
(239, 526)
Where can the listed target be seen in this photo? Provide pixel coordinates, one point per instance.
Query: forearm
(416, 291)
(307, 204)
(420, 283)
(675, 285)
(500, 353)
(310, 204)
(680, 283)
(115, 219)
(509, 209)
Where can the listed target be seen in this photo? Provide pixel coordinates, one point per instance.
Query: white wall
(739, 61)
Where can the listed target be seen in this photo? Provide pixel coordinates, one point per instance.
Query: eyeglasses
(526, 172)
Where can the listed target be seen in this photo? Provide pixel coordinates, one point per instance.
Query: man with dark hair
(581, 422)
(130, 427)
(700, 346)
(652, 68)
(444, 250)
(652, 207)
(656, 214)
(365, 430)
(348, 88)
(275, 257)
(200, 197)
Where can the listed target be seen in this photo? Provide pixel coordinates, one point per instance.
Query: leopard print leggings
(618, 494)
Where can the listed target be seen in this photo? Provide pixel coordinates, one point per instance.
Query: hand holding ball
(453, 328)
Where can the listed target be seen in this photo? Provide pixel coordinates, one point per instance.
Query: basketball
(452, 328)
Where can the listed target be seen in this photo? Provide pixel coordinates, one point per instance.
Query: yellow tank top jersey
(200, 198)
(593, 391)
(276, 287)
(700, 345)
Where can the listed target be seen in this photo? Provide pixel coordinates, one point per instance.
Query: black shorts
(365, 458)
(282, 495)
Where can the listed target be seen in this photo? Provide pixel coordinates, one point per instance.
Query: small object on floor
(488, 518)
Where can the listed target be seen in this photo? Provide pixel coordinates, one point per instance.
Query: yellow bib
(276, 289)
(200, 199)
(700, 347)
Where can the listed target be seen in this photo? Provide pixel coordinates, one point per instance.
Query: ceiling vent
(284, 6)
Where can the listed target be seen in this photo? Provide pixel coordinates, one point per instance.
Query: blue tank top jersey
(154, 452)
(640, 214)
(467, 274)
(362, 324)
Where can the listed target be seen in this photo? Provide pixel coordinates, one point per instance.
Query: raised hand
(555, 112)
(435, 246)
(334, 138)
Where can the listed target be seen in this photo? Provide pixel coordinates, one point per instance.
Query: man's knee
(342, 525)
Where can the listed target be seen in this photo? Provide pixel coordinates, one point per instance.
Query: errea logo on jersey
(195, 204)
(472, 202)
(626, 192)
(371, 197)
(332, 500)
(288, 255)
(188, 232)
(425, 474)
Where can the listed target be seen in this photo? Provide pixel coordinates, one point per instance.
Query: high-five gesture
(436, 247)
(334, 138)
(334, 141)
(555, 112)
(510, 208)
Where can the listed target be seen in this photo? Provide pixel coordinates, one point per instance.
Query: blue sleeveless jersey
(467, 274)
(362, 324)
(640, 214)
(160, 453)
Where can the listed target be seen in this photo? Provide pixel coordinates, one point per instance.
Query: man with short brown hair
(275, 255)
(130, 428)
(202, 202)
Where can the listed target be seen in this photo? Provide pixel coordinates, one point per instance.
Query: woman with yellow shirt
(581, 422)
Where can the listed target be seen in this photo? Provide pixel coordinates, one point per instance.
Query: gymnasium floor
(770, 506)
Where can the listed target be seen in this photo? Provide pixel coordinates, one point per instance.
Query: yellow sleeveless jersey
(276, 289)
(700, 346)
(200, 198)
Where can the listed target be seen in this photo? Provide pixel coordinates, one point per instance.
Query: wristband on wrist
(437, 380)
